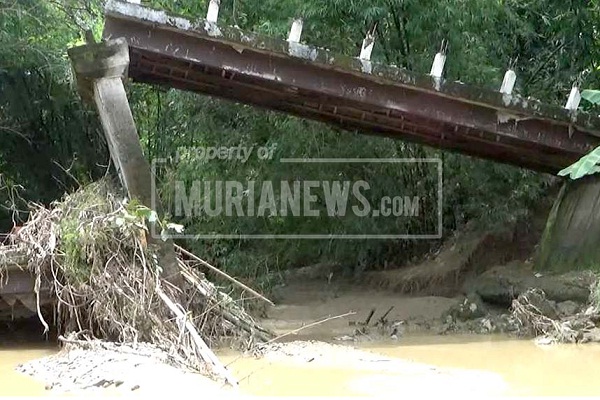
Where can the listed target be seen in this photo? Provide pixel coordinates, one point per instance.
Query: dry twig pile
(537, 317)
(108, 284)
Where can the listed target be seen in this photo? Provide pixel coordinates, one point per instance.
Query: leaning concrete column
(100, 69)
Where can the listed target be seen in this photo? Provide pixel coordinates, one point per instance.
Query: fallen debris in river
(107, 282)
(540, 317)
(532, 314)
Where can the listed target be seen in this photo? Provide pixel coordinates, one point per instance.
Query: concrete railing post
(508, 83)
(367, 47)
(295, 31)
(213, 11)
(574, 99)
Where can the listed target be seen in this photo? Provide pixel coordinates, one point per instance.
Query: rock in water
(498, 285)
(544, 341)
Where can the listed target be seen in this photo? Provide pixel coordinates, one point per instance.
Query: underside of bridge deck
(346, 92)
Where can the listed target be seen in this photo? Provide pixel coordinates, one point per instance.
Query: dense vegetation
(52, 143)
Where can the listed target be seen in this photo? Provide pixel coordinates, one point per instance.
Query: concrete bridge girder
(316, 84)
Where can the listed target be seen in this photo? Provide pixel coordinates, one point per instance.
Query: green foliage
(76, 265)
(83, 234)
(593, 96)
(595, 294)
(50, 142)
(473, 189)
(139, 216)
(10, 197)
(80, 236)
(586, 165)
(550, 44)
(590, 163)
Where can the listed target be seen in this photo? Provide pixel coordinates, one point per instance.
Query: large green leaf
(593, 96)
(586, 165)
(590, 163)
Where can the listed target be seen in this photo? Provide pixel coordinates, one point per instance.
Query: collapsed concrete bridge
(353, 93)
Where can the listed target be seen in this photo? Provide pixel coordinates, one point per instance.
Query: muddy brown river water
(511, 367)
(13, 383)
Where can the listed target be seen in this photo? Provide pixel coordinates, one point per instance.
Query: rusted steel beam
(375, 121)
(313, 83)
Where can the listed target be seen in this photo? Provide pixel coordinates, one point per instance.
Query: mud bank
(330, 369)
(450, 365)
(303, 303)
(386, 342)
(112, 369)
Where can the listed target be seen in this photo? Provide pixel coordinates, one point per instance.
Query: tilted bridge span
(350, 92)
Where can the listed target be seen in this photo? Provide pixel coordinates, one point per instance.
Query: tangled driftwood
(537, 317)
(107, 282)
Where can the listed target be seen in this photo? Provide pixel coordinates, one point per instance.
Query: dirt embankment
(509, 300)
(468, 285)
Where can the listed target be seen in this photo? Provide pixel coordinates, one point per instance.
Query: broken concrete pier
(100, 69)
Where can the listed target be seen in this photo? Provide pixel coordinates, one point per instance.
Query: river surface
(522, 367)
(13, 383)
